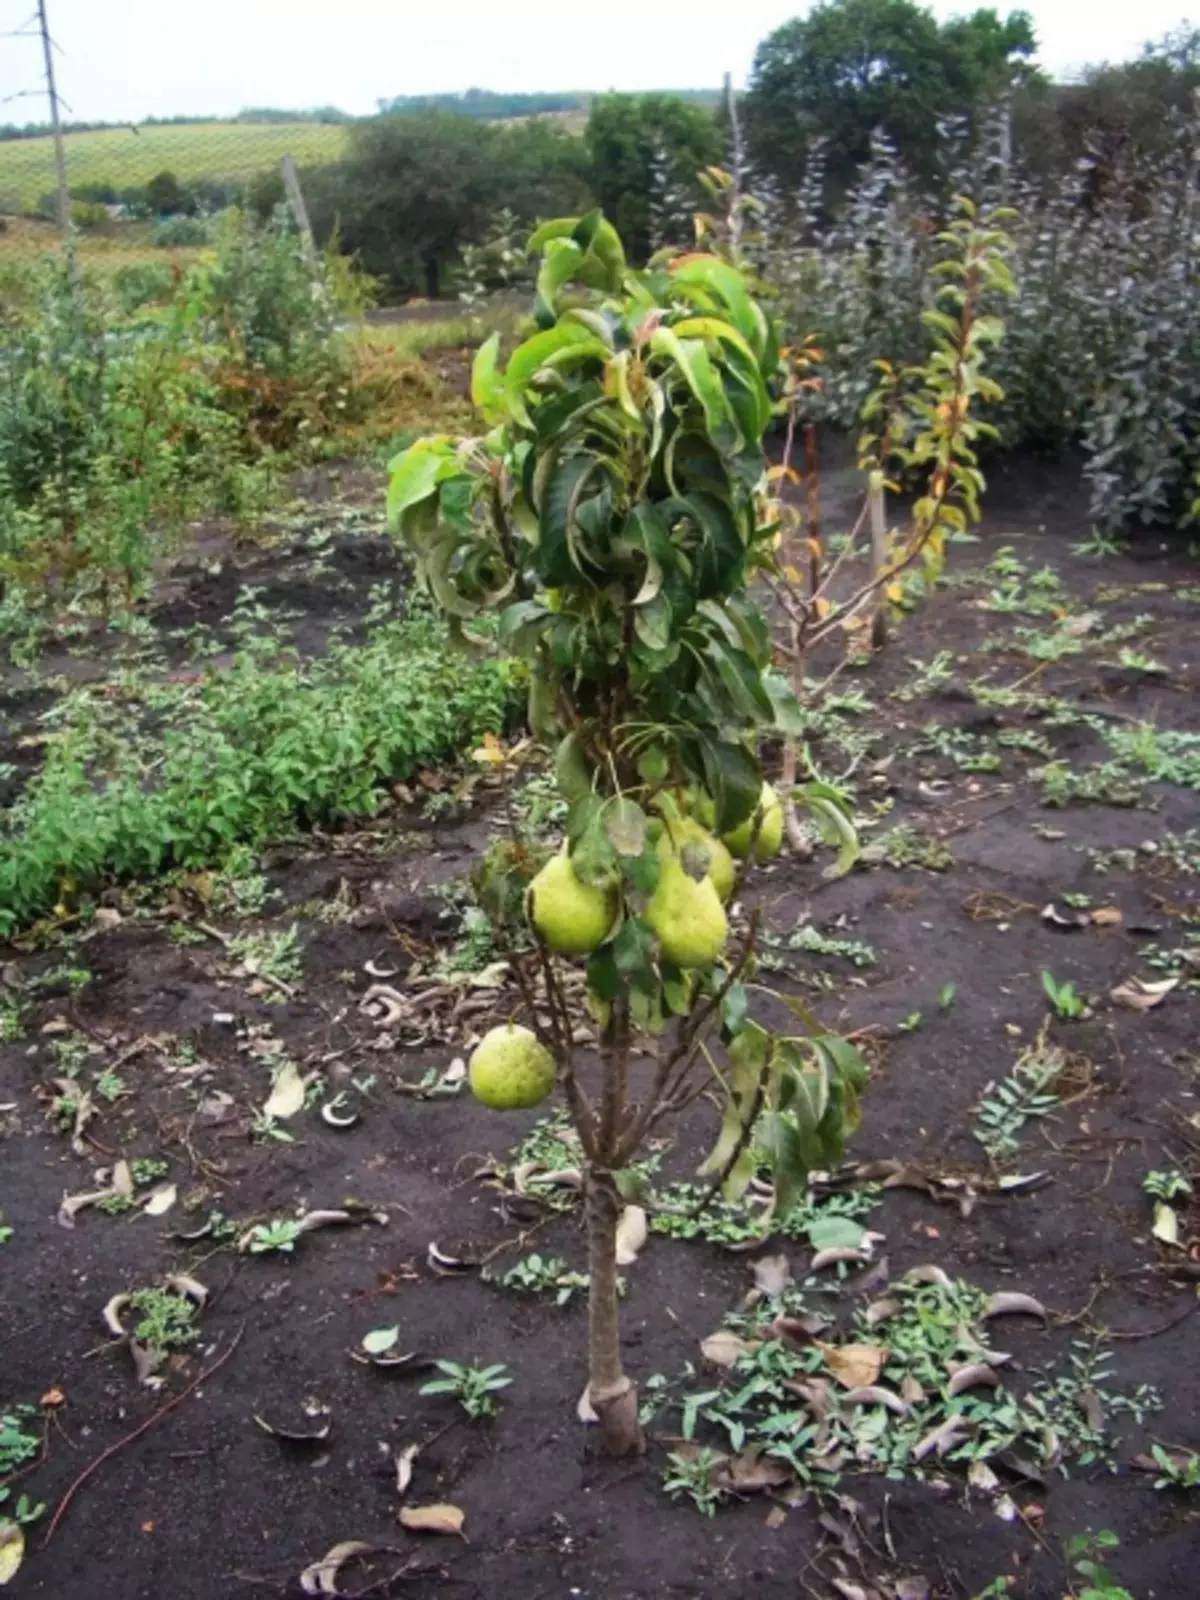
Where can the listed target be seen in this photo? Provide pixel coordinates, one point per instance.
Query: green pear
(572, 917)
(770, 833)
(688, 831)
(687, 915)
(510, 1070)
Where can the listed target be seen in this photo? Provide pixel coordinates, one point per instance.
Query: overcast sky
(127, 59)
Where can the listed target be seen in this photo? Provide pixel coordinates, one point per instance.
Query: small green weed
(475, 1388)
(1027, 1093)
(1069, 1005)
(18, 1443)
(691, 1475)
(279, 1236)
(166, 1321)
(272, 954)
(1084, 1551)
(1177, 1469)
(906, 846)
(1169, 1184)
(813, 942)
(548, 1275)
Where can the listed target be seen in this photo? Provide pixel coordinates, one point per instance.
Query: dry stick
(1153, 1333)
(879, 623)
(142, 1428)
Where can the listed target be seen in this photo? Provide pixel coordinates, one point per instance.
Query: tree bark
(612, 1395)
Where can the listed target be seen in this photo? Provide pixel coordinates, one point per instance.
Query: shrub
(114, 431)
(255, 749)
(1103, 344)
(174, 232)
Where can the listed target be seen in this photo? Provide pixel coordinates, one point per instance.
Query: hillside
(127, 157)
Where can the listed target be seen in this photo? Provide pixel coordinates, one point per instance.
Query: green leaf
(633, 949)
(593, 857)
(487, 386)
(416, 473)
(787, 1153)
(625, 825)
(829, 811)
(528, 358)
(733, 779)
(571, 770)
(652, 623)
(693, 361)
(603, 976)
(718, 279)
(565, 487)
(836, 1233)
(559, 264)
(733, 1007)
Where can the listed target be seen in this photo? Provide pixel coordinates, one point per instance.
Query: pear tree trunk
(612, 1394)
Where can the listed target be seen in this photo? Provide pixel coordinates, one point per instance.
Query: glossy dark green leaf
(734, 780)
(602, 975)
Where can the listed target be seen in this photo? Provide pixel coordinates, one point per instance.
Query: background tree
(852, 66)
(1118, 116)
(415, 189)
(166, 196)
(640, 146)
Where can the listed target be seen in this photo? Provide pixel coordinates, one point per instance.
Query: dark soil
(206, 1503)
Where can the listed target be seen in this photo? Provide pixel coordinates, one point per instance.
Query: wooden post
(295, 200)
(736, 162)
(60, 153)
(877, 502)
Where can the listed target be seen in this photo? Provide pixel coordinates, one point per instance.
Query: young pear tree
(606, 532)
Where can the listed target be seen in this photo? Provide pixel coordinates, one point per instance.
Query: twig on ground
(143, 1427)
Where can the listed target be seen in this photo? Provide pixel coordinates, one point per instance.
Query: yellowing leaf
(857, 1366)
(491, 752)
(12, 1550)
(432, 1519)
(1166, 1223)
(287, 1093)
(1139, 996)
(725, 1348)
(631, 1235)
(161, 1201)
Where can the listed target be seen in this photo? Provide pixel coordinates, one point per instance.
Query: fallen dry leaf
(973, 1375)
(1107, 917)
(929, 1274)
(584, 1409)
(404, 1466)
(724, 1349)
(1166, 1223)
(631, 1235)
(161, 1200)
(322, 1576)
(772, 1275)
(873, 1394)
(836, 1257)
(775, 1518)
(1011, 1304)
(855, 1366)
(432, 1519)
(912, 1589)
(751, 1472)
(1136, 995)
(12, 1550)
(287, 1094)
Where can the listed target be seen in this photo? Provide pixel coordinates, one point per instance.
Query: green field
(127, 157)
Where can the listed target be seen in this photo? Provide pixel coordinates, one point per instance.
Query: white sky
(126, 59)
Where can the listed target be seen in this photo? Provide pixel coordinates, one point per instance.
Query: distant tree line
(429, 176)
(40, 130)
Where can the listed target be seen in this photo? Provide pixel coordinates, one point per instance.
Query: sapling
(605, 532)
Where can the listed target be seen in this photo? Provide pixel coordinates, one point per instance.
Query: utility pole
(60, 153)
